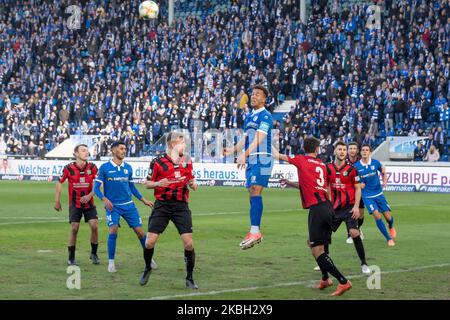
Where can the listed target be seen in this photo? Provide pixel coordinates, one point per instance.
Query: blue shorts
(128, 211)
(257, 174)
(378, 203)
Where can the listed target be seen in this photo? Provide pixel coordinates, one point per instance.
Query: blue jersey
(117, 183)
(259, 120)
(369, 174)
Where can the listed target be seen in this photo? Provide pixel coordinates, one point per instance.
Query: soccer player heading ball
(258, 158)
(170, 174)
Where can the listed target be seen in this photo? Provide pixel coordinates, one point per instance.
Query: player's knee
(94, 227)
(255, 190)
(188, 244)
(317, 251)
(354, 233)
(150, 243)
(74, 229)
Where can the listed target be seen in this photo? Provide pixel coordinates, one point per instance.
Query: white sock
(111, 261)
(254, 229)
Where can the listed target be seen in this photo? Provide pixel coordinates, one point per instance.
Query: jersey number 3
(321, 180)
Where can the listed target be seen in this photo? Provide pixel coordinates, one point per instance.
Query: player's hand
(241, 161)
(355, 213)
(148, 203)
(228, 151)
(108, 204)
(193, 185)
(57, 206)
(166, 182)
(384, 184)
(86, 198)
(363, 185)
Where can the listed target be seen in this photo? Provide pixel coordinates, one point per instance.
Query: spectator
(419, 152)
(432, 155)
(439, 140)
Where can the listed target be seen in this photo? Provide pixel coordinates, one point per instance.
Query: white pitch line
(235, 212)
(30, 222)
(288, 284)
(54, 219)
(39, 218)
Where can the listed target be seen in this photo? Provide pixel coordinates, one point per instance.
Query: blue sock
(390, 222)
(382, 227)
(112, 245)
(142, 240)
(256, 209)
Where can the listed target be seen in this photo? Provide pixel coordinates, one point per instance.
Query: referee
(170, 174)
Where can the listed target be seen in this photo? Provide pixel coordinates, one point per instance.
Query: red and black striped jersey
(163, 167)
(80, 183)
(342, 184)
(312, 179)
(353, 162)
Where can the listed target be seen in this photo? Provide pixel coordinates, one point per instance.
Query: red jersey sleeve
(94, 171)
(153, 171)
(296, 161)
(64, 175)
(354, 176)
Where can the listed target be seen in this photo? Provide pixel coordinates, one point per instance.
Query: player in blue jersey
(372, 192)
(257, 156)
(116, 176)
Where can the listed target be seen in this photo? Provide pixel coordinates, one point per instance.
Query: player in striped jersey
(170, 175)
(80, 175)
(352, 158)
(345, 196)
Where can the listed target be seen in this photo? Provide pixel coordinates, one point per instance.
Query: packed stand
(135, 80)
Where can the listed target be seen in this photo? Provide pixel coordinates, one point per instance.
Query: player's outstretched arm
(57, 206)
(289, 183)
(279, 156)
(236, 148)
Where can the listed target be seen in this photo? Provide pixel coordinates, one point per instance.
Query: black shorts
(344, 215)
(75, 214)
(361, 204)
(320, 223)
(164, 211)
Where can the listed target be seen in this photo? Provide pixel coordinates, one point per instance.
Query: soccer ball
(148, 10)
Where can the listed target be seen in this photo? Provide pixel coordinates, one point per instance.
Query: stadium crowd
(134, 80)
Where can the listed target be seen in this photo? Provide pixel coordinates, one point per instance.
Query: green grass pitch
(33, 252)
